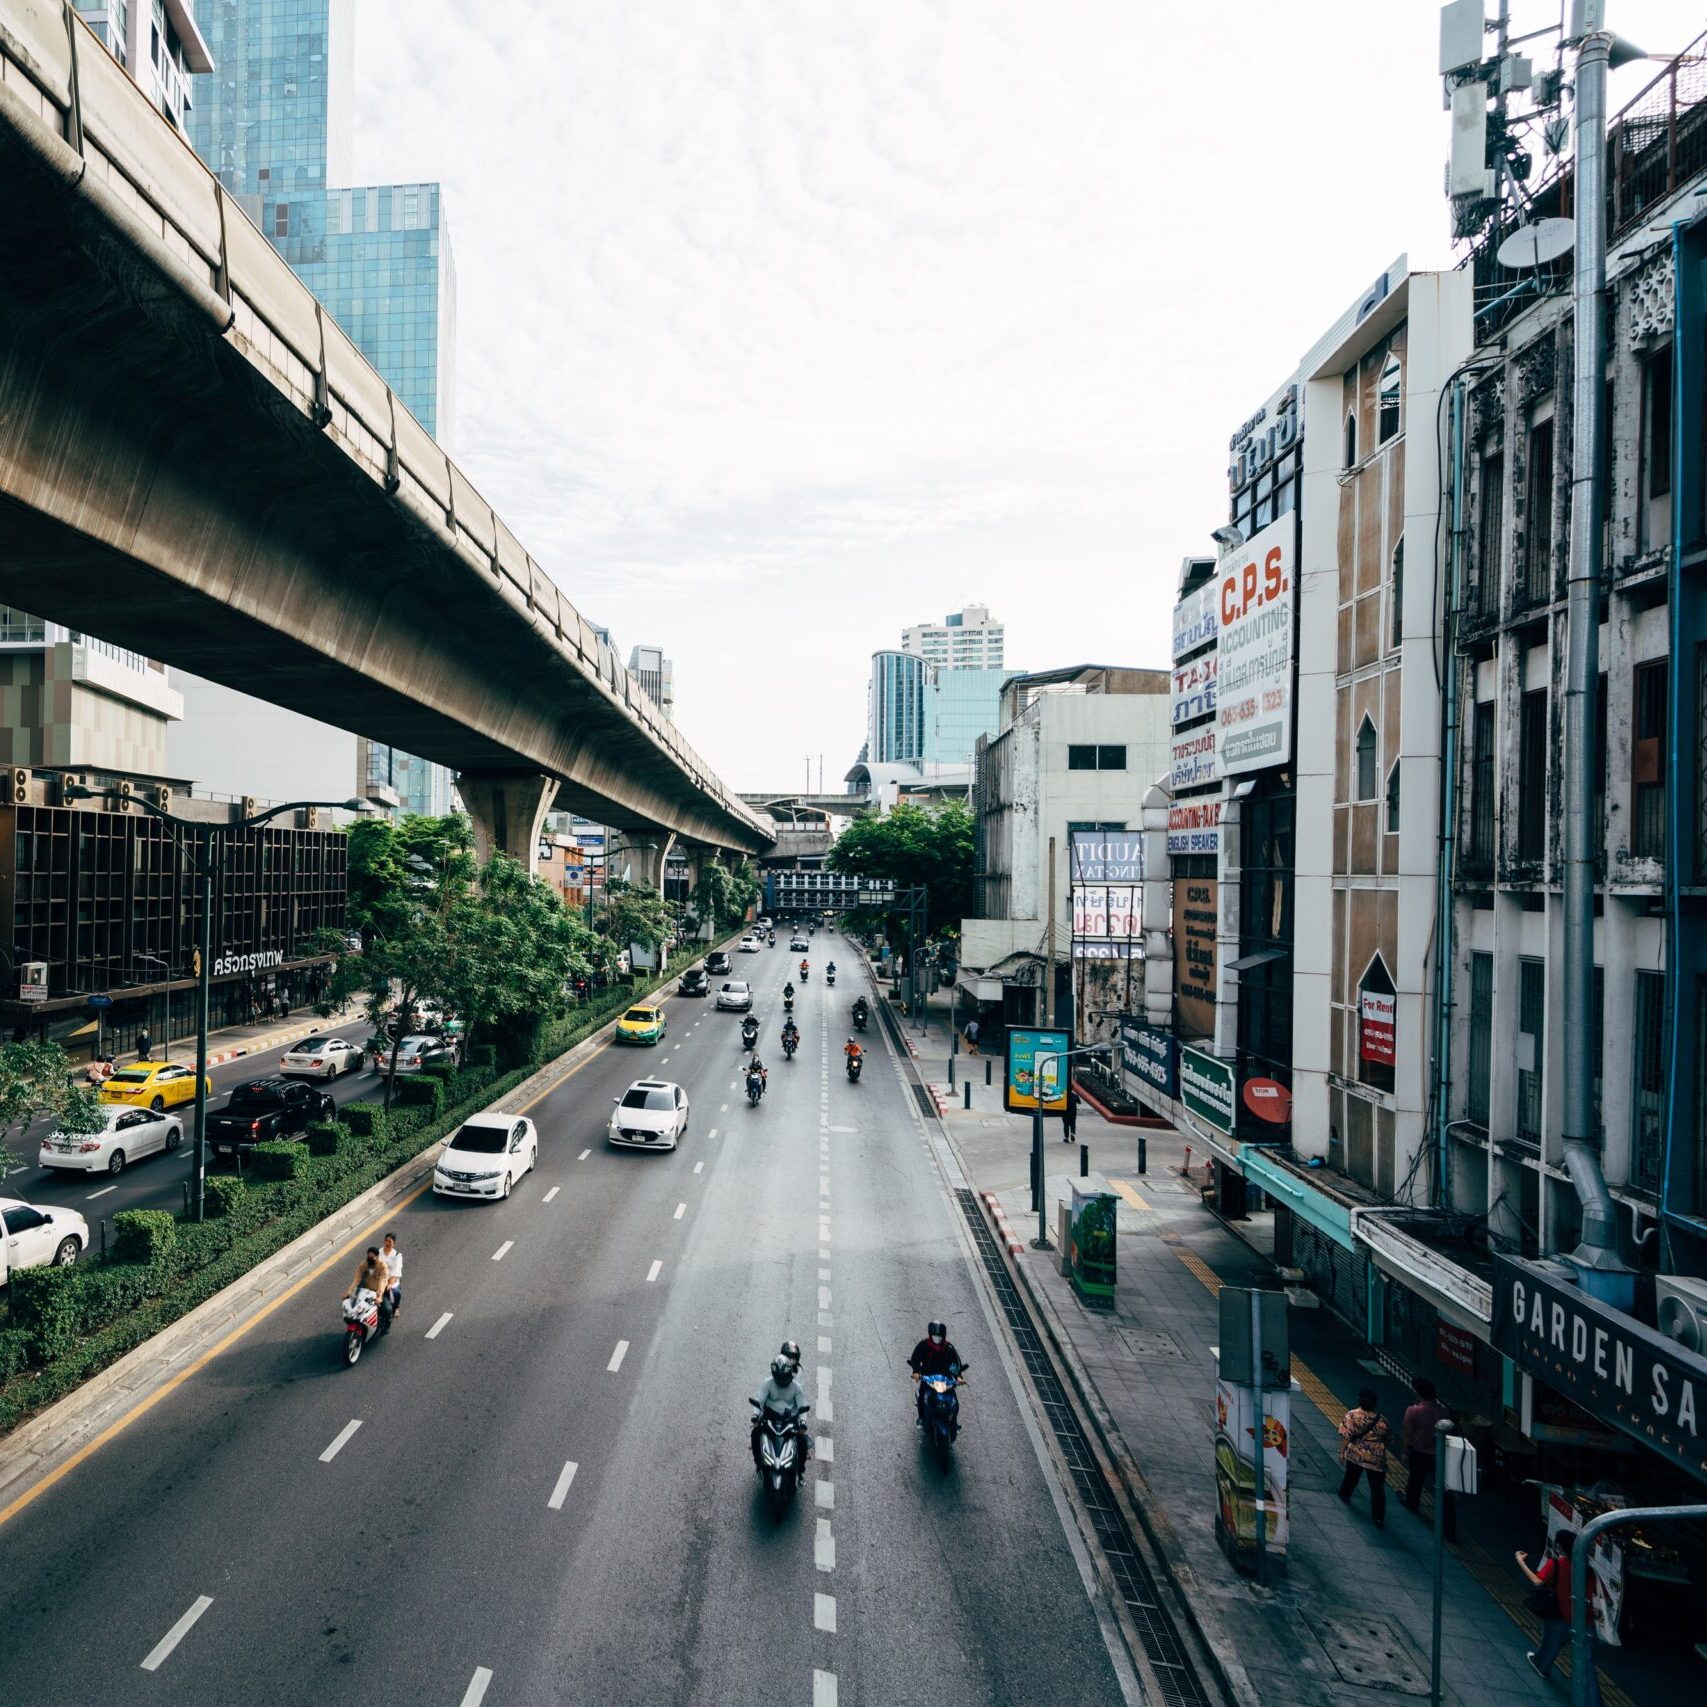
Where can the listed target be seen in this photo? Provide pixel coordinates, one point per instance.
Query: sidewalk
(235, 1041)
(1354, 1608)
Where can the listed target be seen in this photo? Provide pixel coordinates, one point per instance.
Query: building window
(1479, 855)
(1532, 777)
(1368, 763)
(1393, 800)
(1387, 401)
(1647, 1113)
(1531, 1047)
(1490, 515)
(1479, 1082)
(1096, 758)
(1351, 439)
(1265, 932)
(1647, 762)
(1396, 595)
(281, 219)
(1538, 514)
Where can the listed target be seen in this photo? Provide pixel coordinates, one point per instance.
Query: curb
(1004, 1233)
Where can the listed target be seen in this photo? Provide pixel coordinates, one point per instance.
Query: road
(537, 1490)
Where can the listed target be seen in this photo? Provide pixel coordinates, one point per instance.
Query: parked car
(694, 982)
(262, 1111)
(323, 1057)
(717, 963)
(735, 996)
(31, 1236)
(488, 1154)
(152, 1084)
(414, 1053)
(644, 1023)
(652, 1114)
(129, 1134)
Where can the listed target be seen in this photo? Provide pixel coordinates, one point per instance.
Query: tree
(915, 845)
(724, 893)
(636, 914)
(394, 868)
(35, 1080)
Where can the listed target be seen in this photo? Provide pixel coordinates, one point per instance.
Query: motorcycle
(788, 1004)
(790, 1042)
(939, 1407)
(830, 975)
(749, 1033)
(755, 1088)
(366, 1316)
(855, 1062)
(860, 1015)
(781, 1451)
(805, 971)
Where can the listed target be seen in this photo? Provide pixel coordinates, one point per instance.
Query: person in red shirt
(1555, 1574)
(1417, 1431)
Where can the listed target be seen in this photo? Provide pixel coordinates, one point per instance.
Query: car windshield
(482, 1140)
(659, 1101)
(641, 1016)
(129, 1077)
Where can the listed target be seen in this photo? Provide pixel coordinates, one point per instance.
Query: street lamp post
(1042, 1241)
(205, 867)
(166, 1029)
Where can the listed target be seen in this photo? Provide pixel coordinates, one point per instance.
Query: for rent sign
(1257, 597)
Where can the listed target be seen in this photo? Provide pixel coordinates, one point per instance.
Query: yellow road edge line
(1129, 1194)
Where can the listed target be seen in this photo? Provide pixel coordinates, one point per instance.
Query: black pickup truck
(263, 1110)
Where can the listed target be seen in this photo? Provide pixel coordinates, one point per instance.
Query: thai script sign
(1150, 1056)
(1194, 688)
(1206, 1088)
(1196, 926)
(1258, 595)
(263, 961)
(1195, 621)
(1193, 761)
(1104, 910)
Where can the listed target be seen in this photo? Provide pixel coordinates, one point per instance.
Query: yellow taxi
(152, 1084)
(643, 1024)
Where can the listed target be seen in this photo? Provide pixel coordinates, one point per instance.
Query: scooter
(749, 1033)
(830, 975)
(939, 1407)
(790, 1042)
(804, 971)
(365, 1317)
(788, 1004)
(755, 1088)
(861, 1014)
(781, 1451)
(855, 1062)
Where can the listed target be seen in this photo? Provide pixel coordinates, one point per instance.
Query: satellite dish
(1535, 245)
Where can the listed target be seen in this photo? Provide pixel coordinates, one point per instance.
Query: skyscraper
(965, 639)
(656, 675)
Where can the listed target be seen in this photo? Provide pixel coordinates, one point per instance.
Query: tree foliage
(915, 845)
(35, 1080)
(635, 914)
(395, 868)
(724, 892)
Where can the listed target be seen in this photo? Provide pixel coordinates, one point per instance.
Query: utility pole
(1049, 946)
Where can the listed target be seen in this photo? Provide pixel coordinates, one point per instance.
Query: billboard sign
(1104, 856)
(1036, 1068)
(1195, 620)
(1194, 826)
(1194, 688)
(1150, 1058)
(1257, 601)
(1206, 1088)
(1197, 920)
(1193, 761)
(1104, 910)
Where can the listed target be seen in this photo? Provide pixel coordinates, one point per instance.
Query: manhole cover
(1144, 1342)
(1370, 1652)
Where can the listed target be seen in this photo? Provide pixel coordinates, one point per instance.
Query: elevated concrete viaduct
(196, 463)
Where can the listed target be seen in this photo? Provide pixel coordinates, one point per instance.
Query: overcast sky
(784, 323)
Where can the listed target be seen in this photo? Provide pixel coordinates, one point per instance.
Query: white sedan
(735, 996)
(30, 1236)
(128, 1135)
(748, 945)
(488, 1154)
(322, 1057)
(652, 1114)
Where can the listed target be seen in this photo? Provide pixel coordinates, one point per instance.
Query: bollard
(1143, 1152)
(1084, 1161)
(951, 1072)
(968, 1089)
(1186, 1169)
(103, 1238)
(987, 1066)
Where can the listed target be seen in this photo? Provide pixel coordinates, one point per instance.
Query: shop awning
(1287, 1187)
(1462, 1298)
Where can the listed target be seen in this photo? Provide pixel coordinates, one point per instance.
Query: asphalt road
(538, 1490)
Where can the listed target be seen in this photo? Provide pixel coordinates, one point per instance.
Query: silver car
(736, 996)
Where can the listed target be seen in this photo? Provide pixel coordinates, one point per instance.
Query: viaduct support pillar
(641, 858)
(507, 812)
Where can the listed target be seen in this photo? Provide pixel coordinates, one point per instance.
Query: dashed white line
(561, 1492)
(698, 1166)
(681, 1210)
(551, 1194)
(503, 1250)
(161, 1649)
(823, 1274)
(583, 1155)
(823, 1345)
(723, 1107)
(101, 1193)
(341, 1442)
(824, 1612)
(823, 1689)
(616, 1357)
(824, 1450)
(824, 1547)
(823, 1298)
(653, 1272)
(438, 1327)
(475, 1693)
(824, 1495)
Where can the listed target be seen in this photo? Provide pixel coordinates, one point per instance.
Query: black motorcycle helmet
(782, 1371)
(791, 1350)
(937, 1332)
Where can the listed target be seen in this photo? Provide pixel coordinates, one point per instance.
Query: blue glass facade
(960, 706)
(922, 715)
(897, 709)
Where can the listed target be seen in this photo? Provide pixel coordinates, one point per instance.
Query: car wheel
(66, 1255)
(507, 1184)
(115, 1162)
(174, 1137)
(158, 1105)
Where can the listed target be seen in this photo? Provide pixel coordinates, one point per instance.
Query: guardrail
(87, 120)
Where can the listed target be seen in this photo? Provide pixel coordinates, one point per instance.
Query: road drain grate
(1154, 1623)
(926, 1107)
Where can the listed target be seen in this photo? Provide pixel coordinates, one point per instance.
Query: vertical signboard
(1107, 875)
(1196, 922)
(1196, 621)
(1192, 760)
(1194, 688)
(1149, 1058)
(1257, 601)
(1036, 1070)
(1377, 1010)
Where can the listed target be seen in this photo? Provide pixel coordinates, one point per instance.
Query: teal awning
(1284, 1186)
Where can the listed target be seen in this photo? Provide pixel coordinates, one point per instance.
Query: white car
(129, 1134)
(486, 1157)
(748, 945)
(322, 1057)
(652, 1114)
(35, 1236)
(735, 996)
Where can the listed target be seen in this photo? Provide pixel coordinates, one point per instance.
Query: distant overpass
(196, 463)
(781, 804)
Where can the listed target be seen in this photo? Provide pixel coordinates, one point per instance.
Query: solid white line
(652, 1272)
(438, 1327)
(339, 1444)
(499, 1254)
(551, 1194)
(616, 1357)
(476, 1690)
(681, 1210)
(824, 1547)
(824, 1612)
(101, 1193)
(823, 1689)
(583, 1155)
(561, 1492)
(176, 1634)
(824, 1494)
(698, 1166)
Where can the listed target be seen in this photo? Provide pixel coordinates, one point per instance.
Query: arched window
(1393, 800)
(1367, 784)
(1387, 401)
(1396, 593)
(1351, 439)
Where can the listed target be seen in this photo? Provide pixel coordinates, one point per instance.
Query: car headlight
(492, 1175)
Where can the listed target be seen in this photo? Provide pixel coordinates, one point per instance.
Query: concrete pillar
(639, 857)
(507, 812)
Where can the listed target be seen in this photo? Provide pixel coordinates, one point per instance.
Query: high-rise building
(966, 639)
(157, 42)
(656, 675)
(929, 715)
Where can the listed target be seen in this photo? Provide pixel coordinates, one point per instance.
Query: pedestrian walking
(284, 1007)
(1069, 1114)
(971, 1035)
(144, 1045)
(1551, 1602)
(1416, 1430)
(1363, 1452)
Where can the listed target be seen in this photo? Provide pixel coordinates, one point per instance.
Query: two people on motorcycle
(380, 1272)
(785, 1393)
(935, 1354)
(758, 1074)
(790, 1035)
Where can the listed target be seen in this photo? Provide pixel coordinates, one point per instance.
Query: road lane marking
(475, 1693)
(507, 1246)
(823, 1298)
(698, 1166)
(616, 1357)
(723, 1107)
(824, 1494)
(551, 1194)
(824, 1547)
(681, 1210)
(824, 1450)
(439, 1326)
(823, 1274)
(653, 1272)
(824, 1612)
(101, 1193)
(823, 1345)
(163, 1648)
(561, 1492)
(583, 1155)
(341, 1442)
(823, 1689)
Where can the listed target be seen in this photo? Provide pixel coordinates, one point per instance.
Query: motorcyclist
(788, 989)
(790, 1033)
(757, 1068)
(785, 1393)
(371, 1276)
(749, 1031)
(805, 967)
(860, 1007)
(852, 1050)
(935, 1354)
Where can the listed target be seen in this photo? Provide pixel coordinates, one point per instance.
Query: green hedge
(276, 1161)
(422, 1092)
(366, 1119)
(144, 1236)
(327, 1138)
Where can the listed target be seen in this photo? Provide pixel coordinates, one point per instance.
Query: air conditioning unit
(251, 806)
(123, 791)
(163, 798)
(1682, 1302)
(20, 786)
(311, 817)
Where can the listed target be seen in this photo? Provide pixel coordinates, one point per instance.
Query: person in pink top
(1363, 1452)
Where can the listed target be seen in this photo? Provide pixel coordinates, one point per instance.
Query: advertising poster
(1197, 913)
(1258, 595)
(1195, 620)
(1236, 1469)
(1035, 1066)
(1104, 910)
(1194, 826)
(1194, 688)
(1191, 761)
